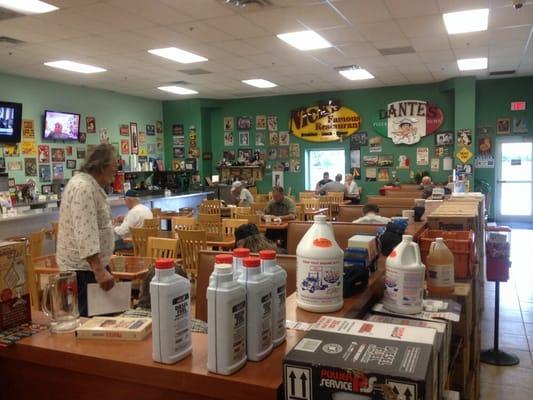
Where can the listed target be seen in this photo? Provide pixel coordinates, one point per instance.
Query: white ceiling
(241, 44)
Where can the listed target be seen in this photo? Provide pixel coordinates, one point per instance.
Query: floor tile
(516, 376)
(501, 392)
(512, 327)
(507, 341)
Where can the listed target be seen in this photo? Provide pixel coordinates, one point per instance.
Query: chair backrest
(156, 212)
(300, 212)
(330, 203)
(253, 190)
(140, 236)
(258, 206)
(261, 198)
(162, 248)
(240, 212)
(191, 242)
(349, 213)
(337, 196)
(229, 226)
(209, 207)
(406, 202)
(184, 223)
(151, 223)
(210, 223)
(310, 203)
(270, 196)
(306, 195)
(55, 230)
(254, 219)
(36, 241)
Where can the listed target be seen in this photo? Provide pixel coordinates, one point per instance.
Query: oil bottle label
(404, 288)
(319, 281)
(280, 317)
(266, 325)
(441, 275)
(181, 322)
(239, 331)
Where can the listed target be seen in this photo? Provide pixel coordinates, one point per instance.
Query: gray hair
(99, 158)
(348, 176)
(338, 177)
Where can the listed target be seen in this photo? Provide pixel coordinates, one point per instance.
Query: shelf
(241, 167)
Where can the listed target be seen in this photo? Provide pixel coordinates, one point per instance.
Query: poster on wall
(464, 155)
(383, 174)
(403, 162)
(14, 166)
(355, 158)
(124, 130)
(43, 153)
(435, 164)
(370, 161)
(28, 148)
(58, 154)
(283, 138)
(82, 137)
(484, 146)
(228, 123)
(150, 130)
(142, 138)
(244, 138)
(484, 130)
(57, 171)
(260, 122)
(295, 165)
(125, 147)
(272, 123)
(520, 125)
(358, 140)
(356, 173)
(104, 136)
(273, 153)
(385, 161)
(273, 138)
(11, 150)
(283, 153)
(28, 130)
(151, 148)
(277, 178)
(442, 151)
(134, 148)
(80, 152)
(71, 164)
(294, 150)
(90, 124)
(371, 174)
(464, 137)
(45, 174)
(444, 138)
(244, 123)
(447, 164)
(260, 139)
(485, 162)
(177, 130)
(503, 126)
(30, 167)
(228, 139)
(374, 144)
(158, 127)
(422, 156)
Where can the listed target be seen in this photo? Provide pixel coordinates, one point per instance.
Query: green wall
(110, 110)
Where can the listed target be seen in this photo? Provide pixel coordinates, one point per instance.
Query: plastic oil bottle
(258, 309)
(238, 255)
(226, 318)
(319, 269)
(440, 269)
(170, 296)
(404, 278)
(278, 277)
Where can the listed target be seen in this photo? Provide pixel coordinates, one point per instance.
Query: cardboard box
(373, 360)
(115, 328)
(15, 305)
(443, 338)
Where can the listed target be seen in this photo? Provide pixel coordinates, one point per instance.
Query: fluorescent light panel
(260, 83)
(466, 21)
(177, 90)
(74, 66)
(178, 55)
(28, 6)
(305, 40)
(470, 64)
(356, 74)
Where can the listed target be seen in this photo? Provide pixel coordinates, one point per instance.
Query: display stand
(498, 264)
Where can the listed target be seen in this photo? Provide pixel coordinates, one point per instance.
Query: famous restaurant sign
(325, 122)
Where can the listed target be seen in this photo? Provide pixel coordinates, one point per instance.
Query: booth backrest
(342, 231)
(351, 213)
(405, 202)
(415, 194)
(207, 264)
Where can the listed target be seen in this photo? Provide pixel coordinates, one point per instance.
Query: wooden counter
(59, 366)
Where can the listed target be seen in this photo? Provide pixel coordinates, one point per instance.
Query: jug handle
(416, 250)
(46, 292)
(432, 246)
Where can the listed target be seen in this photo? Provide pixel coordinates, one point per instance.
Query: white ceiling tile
(412, 8)
(436, 56)
(461, 5)
(279, 20)
(443, 67)
(431, 43)
(156, 12)
(414, 27)
(237, 26)
(389, 44)
(511, 49)
(116, 17)
(502, 63)
(475, 39)
(381, 31)
(202, 32)
(363, 49)
(417, 68)
(342, 35)
(471, 52)
(71, 18)
(363, 11)
(507, 16)
(201, 9)
(501, 36)
(238, 47)
(418, 77)
(404, 59)
(319, 16)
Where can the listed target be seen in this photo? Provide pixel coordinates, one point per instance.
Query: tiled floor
(516, 326)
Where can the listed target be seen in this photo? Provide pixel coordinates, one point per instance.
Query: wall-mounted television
(10, 122)
(59, 125)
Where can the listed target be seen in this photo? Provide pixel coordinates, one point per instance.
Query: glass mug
(61, 292)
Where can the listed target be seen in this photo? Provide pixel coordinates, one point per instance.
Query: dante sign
(325, 122)
(407, 121)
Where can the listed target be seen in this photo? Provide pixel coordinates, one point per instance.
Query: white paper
(447, 164)
(115, 300)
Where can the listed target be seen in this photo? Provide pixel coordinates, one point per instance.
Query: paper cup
(410, 215)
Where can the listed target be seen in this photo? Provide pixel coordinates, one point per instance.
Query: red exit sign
(518, 105)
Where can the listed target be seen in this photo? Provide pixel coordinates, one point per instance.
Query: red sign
(518, 105)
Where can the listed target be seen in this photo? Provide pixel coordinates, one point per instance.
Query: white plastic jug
(319, 269)
(278, 276)
(238, 255)
(170, 296)
(226, 319)
(258, 309)
(404, 278)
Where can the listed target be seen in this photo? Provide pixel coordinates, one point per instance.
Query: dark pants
(278, 236)
(84, 278)
(120, 244)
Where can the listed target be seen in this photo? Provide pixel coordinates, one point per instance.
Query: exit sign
(518, 105)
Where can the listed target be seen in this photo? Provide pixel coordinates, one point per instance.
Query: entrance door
(514, 179)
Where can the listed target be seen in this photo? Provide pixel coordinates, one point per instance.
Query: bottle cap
(267, 255)
(407, 238)
(241, 252)
(164, 263)
(251, 262)
(320, 218)
(223, 259)
(439, 239)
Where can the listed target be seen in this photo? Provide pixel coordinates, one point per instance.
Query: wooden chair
(253, 191)
(337, 199)
(270, 196)
(261, 198)
(258, 207)
(229, 226)
(151, 223)
(306, 195)
(35, 244)
(140, 237)
(156, 212)
(211, 224)
(162, 248)
(209, 207)
(191, 242)
(240, 212)
(55, 230)
(186, 223)
(310, 203)
(300, 212)
(328, 202)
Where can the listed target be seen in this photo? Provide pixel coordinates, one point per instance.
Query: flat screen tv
(10, 122)
(61, 125)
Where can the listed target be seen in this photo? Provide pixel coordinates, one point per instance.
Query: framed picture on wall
(244, 138)
(46, 189)
(134, 138)
(245, 154)
(244, 122)
(90, 124)
(71, 164)
(503, 126)
(444, 138)
(45, 173)
(58, 154)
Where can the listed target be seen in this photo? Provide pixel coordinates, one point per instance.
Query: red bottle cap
(267, 254)
(164, 263)
(251, 262)
(223, 259)
(241, 252)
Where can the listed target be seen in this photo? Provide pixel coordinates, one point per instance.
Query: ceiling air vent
(194, 71)
(244, 4)
(9, 14)
(394, 51)
(10, 40)
(497, 73)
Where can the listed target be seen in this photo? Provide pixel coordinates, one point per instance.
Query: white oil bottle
(320, 269)
(258, 309)
(170, 296)
(238, 255)
(278, 277)
(404, 278)
(226, 319)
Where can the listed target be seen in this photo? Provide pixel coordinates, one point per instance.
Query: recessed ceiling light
(28, 6)
(178, 55)
(355, 73)
(466, 21)
(305, 40)
(177, 90)
(469, 64)
(260, 83)
(74, 66)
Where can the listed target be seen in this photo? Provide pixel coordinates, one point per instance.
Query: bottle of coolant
(404, 278)
(278, 277)
(319, 272)
(258, 309)
(226, 318)
(238, 255)
(440, 269)
(170, 296)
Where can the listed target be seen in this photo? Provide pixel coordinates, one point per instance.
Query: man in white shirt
(241, 196)
(134, 219)
(371, 216)
(85, 239)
